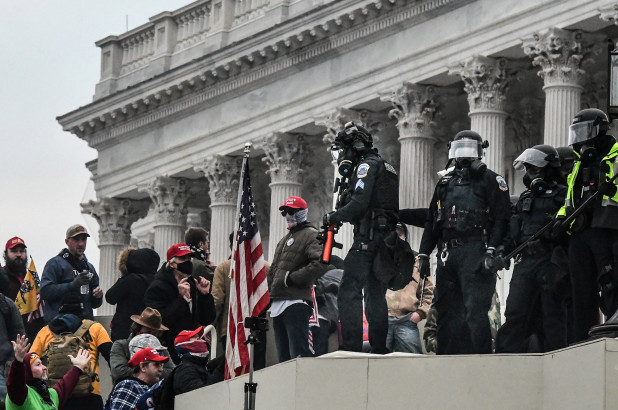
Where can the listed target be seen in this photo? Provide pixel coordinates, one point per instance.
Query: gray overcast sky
(49, 66)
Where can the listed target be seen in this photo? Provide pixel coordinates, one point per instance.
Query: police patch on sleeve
(360, 184)
(390, 168)
(362, 170)
(502, 183)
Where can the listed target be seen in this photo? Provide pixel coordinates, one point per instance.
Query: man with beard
(70, 270)
(14, 283)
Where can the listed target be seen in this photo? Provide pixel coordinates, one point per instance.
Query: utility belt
(462, 220)
(457, 242)
(361, 246)
(376, 220)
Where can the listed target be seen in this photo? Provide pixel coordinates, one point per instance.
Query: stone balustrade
(171, 39)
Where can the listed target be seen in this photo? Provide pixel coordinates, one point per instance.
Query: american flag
(248, 287)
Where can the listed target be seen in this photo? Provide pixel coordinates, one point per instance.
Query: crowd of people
(561, 234)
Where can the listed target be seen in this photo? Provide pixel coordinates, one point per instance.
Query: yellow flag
(27, 299)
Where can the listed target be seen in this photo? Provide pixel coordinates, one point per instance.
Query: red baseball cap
(186, 335)
(294, 202)
(179, 249)
(147, 354)
(13, 242)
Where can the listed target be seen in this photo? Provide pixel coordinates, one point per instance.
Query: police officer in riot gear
(567, 160)
(529, 290)
(467, 220)
(593, 246)
(371, 204)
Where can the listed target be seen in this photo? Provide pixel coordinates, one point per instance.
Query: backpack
(55, 357)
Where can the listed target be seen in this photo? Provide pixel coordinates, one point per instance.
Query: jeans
(2, 384)
(403, 335)
(292, 332)
(320, 337)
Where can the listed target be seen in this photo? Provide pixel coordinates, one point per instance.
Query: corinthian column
(414, 108)
(485, 82)
(285, 157)
(169, 196)
(115, 217)
(560, 54)
(223, 174)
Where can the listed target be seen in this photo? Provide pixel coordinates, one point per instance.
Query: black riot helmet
(467, 144)
(587, 125)
(542, 165)
(349, 145)
(567, 158)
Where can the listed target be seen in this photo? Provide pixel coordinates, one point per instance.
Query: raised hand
(184, 288)
(81, 359)
(203, 285)
(21, 347)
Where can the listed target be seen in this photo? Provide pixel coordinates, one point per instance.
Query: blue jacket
(56, 282)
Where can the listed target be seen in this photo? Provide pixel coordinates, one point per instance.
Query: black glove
(607, 188)
(501, 261)
(489, 263)
(558, 228)
(328, 219)
(80, 280)
(423, 266)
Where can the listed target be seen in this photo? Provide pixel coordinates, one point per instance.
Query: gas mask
(588, 153)
(471, 166)
(533, 180)
(346, 157)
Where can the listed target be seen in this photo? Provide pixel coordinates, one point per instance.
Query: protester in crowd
(296, 266)
(52, 343)
(147, 367)
(195, 369)
(137, 269)
(197, 239)
(27, 381)
(408, 298)
(10, 326)
(184, 302)
(221, 296)
(21, 286)
(144, 332)
(70, 270)
(326, 290)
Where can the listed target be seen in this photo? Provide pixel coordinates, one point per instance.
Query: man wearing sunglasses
(295, 267)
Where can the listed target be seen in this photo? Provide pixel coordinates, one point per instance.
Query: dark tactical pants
(462, 300)
(528, 300)
(358, 275)
(589, 251)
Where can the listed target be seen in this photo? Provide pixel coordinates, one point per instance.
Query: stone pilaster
(285, 156)
(414, 108)
(560, 54)
(486, 81)
(115, 217)
(169, 196)
(223, 174)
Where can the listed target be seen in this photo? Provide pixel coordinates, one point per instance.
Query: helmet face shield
(582, 131)
(531, 156)
(336, 152)
(465, 148)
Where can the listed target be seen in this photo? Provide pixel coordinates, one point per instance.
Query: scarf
(298, 218)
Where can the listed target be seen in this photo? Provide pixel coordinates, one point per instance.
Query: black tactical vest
(386, 192)
(535, 211)
(463, 204)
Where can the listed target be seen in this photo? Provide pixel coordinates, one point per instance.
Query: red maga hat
(179, 249)
(147, 354)
(294, 202)
(14, 241)
(186, 335)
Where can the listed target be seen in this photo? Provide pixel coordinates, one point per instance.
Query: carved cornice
(560, 54)
(223, 174)
(285, 156)
(169, 196)
(115, 217)
(610, 14)
(335, 120)
(485, 81)
(220, 79)
(414, 107)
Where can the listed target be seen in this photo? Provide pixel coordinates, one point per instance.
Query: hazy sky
(49, 66)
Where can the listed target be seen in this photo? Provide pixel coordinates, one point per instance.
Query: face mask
(588, 153)
(197, 348)
(346, 162)
(297, 218)
(185, 267)
(534, 181)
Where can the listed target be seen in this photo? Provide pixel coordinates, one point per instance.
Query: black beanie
(143, 260)
(72, 303)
